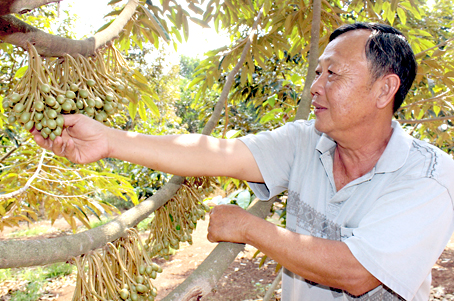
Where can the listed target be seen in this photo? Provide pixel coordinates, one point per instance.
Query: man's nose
(318, 85)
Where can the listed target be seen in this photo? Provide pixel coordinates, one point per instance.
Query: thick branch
(23, 253)
(207, 274)
(21, 6)
(304, 106)
(214, 119)
(19, 33)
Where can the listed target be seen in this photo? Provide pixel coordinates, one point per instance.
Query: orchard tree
(268, 68)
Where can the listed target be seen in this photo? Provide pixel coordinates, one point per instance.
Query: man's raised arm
(85, 140)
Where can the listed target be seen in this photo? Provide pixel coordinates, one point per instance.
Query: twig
(28, 184)
(272, 288)
(410, 121)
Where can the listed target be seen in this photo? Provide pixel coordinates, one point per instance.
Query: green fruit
(11, 119)
(39, 106)
(51, 113)
(44, 134)
(153, 275)
(67, 106)
(134, 296)
(91, 83)
(83, 93)
(142, 269)
(5, 104)
(90, 103)
(73, 87)
(124, 294)
(51, 101)
(101, 116)
(70, 94)
(25, 117)
(46, 130)
(14, 97)
(98, 103)
(44, 122)
(120, 87)
(79, 104)
(140, 280)
(141, 288)
(52, 124)
(57, 131)
(45, 88)
(60, 120)
(124, 100)
(109, 97)
(52, 136)
(39, 126)
(108, 107)
(90, 111)
(29, 125)
(18, 108)
(61, 99)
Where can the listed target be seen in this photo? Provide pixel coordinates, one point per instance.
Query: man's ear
(388, 86)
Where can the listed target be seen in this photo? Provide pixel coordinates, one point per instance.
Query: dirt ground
(243, 280)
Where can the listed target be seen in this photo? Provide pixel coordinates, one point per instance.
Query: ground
(243, 280)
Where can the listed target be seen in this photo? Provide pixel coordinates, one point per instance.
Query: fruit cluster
(175, 221)
(52, 87)
(119, 270)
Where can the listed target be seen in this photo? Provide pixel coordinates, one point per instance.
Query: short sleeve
(274, 152)
(403, 235)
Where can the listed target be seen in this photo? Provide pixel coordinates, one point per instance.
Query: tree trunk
(304, 107)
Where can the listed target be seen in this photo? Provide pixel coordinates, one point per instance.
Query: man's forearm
(316, 259)
(186, 155)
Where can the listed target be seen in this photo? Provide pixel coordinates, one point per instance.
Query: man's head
(387, 51)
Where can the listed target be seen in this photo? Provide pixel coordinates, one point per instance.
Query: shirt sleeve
(274, 152)
(404, 234)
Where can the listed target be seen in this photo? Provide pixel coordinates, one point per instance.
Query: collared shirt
(396, 219)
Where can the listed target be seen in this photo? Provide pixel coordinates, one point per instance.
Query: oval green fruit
(108, 107)
(29, 125)
(73, 87)
(70, 94)
(51, 101)
(83, 93)
(61, 99)
(109, 97)
(19, 107)
(124, 294)
(67, 106)
(52, 124)
(45, 88)
(39, 106)
(57, 131)
(51, 113)
(90, 111)
(90, 103)
(124, 100)
(98, 103)
(52, 136)
(39, 126)
(60, 120)
(14, 97)
(47, 130)
(91, 83)
(11, 119)
(141, 288)
(44, 134)
(25, 117)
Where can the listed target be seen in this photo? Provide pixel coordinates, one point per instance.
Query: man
(370, 209)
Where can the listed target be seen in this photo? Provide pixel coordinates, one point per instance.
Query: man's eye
(331, 72)
(317, 72)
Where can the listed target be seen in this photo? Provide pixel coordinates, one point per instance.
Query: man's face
(342, 92)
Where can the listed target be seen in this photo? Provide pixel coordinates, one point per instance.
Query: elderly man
(370, 209)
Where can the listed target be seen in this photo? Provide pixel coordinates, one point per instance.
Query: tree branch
(304, 107)
(414, 121)
(23, 253)
(19, 33)
(29, 182)
(21, 6)
(214, 119)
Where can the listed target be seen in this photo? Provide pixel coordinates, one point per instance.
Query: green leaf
(142, 111)
(140, 77)
(150, 103)
(132, 110)
(21, 71)
(402, 15)
(243, 199)
(272, 100)
(232, 134)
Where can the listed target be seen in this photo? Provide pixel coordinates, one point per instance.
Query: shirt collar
(394, 156)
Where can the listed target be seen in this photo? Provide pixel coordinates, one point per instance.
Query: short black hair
(388, 52)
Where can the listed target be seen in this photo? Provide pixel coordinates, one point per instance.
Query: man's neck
(355, 159)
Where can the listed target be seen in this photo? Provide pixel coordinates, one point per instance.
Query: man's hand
(83, 140)
(228, 223)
